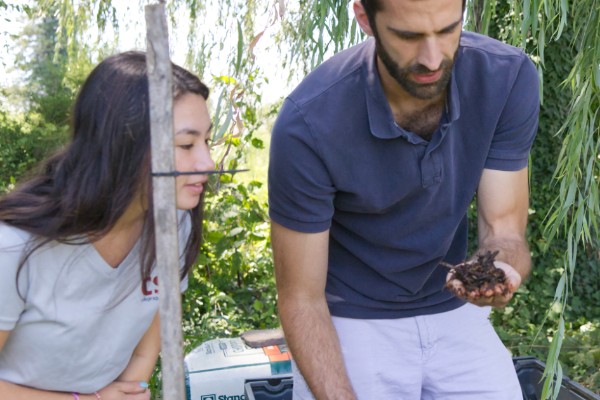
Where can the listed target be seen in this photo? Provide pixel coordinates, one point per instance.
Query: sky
(10, 24)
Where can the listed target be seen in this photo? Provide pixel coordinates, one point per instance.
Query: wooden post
(165, 214)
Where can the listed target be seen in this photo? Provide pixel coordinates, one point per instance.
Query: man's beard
(424, 91)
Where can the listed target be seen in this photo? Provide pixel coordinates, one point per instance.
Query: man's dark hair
(372, 6)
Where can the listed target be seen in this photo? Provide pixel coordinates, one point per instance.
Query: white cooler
(218, 368)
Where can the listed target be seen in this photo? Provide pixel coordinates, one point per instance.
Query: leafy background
(232, 289)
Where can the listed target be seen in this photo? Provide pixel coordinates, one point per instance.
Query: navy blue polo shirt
(396, 204)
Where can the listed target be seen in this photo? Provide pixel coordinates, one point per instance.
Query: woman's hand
(121, 391)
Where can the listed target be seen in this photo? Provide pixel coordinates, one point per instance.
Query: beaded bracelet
(75, 395)
(98, 395)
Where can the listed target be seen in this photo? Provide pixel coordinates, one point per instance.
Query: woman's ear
(361, 17)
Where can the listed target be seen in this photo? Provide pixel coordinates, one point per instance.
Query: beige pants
(455, 355)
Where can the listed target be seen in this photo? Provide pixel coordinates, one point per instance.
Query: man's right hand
(301, 261)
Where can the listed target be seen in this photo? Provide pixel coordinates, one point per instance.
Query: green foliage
(535, 323)
(233, 288)
(46, 91)
(51, 85)
(53, 75)
(316, 29)
(23, 142)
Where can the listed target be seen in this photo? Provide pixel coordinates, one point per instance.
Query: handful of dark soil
(480, 274)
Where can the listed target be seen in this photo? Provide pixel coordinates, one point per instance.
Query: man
(375, 158)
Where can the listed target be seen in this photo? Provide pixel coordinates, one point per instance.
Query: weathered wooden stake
(165, 214)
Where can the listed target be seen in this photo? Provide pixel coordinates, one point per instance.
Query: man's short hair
(372, 6)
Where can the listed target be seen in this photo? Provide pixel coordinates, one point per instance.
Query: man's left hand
(496, 296)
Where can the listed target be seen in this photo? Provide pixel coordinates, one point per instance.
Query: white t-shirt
(79, 320)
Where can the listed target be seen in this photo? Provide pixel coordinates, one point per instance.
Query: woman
(78, 290)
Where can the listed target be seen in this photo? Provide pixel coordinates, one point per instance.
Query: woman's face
(192, 127)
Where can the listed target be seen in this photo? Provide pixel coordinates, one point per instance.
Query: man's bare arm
(301, 272)
(502, 206)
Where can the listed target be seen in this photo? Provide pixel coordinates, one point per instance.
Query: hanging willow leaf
(240, 47)
(553, 370)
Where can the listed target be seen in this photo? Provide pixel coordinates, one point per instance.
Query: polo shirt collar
(453, 99)
(381, 119)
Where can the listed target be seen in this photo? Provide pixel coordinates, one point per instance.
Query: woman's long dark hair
(81, 192)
